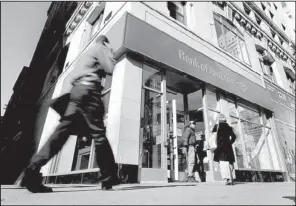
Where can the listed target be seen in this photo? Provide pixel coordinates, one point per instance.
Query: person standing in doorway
(83, 116)
(224, 153)
(188, 149)
(201, 154)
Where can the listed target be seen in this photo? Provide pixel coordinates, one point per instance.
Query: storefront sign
(283, 104)
(280, 96)
(144, 39)
(204, 67)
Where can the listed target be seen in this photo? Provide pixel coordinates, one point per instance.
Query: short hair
(101, 39)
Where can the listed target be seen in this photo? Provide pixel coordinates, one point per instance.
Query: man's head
(192, 124)
(102, 39)
(222, 118)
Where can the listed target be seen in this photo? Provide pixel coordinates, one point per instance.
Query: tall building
(179, 61)
(26, 112)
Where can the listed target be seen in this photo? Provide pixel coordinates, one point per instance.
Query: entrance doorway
(184, 102)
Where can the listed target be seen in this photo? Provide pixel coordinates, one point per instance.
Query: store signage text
(280, 96)
(208, 69)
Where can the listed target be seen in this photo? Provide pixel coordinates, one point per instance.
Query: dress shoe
(33, 182)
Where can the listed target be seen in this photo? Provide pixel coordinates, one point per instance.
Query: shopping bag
(212, 141)
(225, 170)
(60, 104)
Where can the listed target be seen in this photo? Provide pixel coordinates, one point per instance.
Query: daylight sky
(21, 27)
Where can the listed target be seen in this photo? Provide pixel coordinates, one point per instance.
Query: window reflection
(238, 144)
(252, 134)
(232, 108)
(212, 100)
(82, 153)
(248, 114)
(213, 118)
(152, 78)
(151, 126)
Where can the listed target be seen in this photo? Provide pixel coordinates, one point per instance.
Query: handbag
(211, 143)
(60, 104)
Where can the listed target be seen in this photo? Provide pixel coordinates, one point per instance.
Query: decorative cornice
(249, 24)
(78, 15)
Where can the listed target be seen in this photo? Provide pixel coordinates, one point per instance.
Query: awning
(290, 73)
(266, 55)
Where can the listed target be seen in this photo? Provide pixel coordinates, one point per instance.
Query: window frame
(224, 22)
(176, 11)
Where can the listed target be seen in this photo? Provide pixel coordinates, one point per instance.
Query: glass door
(175, 127)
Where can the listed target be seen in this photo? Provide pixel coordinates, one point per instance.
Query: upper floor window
(177, 10)
(230, 39)
(97, 24)
(96, 18)
(291, 79)
(266, 60)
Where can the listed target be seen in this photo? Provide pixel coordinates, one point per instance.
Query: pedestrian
(201, 154)
(188, 150)
(83, 116)
(224, 153)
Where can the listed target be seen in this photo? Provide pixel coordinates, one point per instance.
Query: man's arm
(106, 59)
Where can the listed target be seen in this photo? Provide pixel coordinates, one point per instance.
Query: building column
(123, 127)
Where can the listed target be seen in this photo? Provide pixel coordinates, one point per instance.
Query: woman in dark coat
(224, 151)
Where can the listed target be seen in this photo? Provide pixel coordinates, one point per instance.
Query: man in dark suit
(83, 116)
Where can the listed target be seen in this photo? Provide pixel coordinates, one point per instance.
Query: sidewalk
(169, 193)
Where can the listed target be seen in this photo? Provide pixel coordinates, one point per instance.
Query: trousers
(84, 117)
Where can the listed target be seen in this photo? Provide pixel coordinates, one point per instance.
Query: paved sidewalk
(169, 193)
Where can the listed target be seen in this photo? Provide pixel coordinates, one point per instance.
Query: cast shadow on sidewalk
(124, 189)
(152, 187)
(290, 198)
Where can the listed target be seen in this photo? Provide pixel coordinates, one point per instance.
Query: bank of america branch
(158, 85)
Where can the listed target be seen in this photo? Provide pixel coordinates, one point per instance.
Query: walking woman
(224, 153)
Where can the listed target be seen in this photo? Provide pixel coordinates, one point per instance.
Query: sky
(21, 27)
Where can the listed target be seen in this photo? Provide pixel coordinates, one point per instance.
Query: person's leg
(94, 112)
(231, 168)
(105, 161)
(191, 162)
(33, 179)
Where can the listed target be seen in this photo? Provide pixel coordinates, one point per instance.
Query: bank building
(179, 61)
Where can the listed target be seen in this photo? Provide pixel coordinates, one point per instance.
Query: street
(165, 194)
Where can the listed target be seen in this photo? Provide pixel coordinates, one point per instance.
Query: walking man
(83, 116)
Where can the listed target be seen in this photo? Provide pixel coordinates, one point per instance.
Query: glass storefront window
(212, 100)
(213, 118)
(252, 134)
(152, 78)
(272, 147)
(238, 144)
(151, 129)
(249, 114)
(81, 154)
(232, 108)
